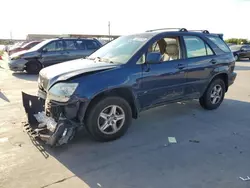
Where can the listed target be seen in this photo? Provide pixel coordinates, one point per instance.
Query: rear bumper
(231, 78)
(64, 129)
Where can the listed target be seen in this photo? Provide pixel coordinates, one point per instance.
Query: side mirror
(243, 49)
(153, 57)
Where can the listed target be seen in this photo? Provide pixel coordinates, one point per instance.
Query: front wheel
(109, 118)
(214, 95)
(33, 67)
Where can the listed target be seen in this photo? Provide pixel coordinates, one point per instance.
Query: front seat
(173, 51)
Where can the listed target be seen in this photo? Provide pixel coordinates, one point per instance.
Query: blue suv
(133, 73)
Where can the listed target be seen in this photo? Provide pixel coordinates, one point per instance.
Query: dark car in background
(52, 51)
(133, 73)
(25, 46)
(240, 51)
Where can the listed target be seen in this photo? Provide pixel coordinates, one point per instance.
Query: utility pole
(11, 36)
(109, 29)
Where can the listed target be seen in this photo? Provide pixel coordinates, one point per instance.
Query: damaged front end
(53, 122)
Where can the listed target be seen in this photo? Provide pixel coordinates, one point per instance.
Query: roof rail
(179, 29)
(203, 31)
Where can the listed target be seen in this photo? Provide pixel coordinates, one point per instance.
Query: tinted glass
(80, 45)
(70, 45)
(54, 46)
(91, 45)
(246, 47)
(220, 43)
(195, 46)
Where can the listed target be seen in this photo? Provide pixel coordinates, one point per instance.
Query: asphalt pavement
(212, 148)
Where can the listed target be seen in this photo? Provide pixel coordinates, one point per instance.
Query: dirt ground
(143, 157)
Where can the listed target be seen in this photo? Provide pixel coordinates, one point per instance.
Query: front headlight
(62, 91)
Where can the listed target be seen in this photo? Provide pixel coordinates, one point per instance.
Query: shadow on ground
(25, 76)
(2, 96)
(144, 158)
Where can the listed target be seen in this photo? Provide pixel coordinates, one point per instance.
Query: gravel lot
(143, 158)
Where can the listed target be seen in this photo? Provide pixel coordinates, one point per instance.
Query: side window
(91, 45)
(54, 46)
(209, 51)
(220, 43)
(70, 45)
(168, 47)
(80, 45)
(195, 46)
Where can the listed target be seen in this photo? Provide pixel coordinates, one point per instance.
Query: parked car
(125, 77)
(240, 51)
(24, 47)
(52, 51)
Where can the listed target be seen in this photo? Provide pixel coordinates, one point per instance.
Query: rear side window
(91, 44)
(220, 43)
(70, 45)
(54, 46)
(80, 45)
(195, 46)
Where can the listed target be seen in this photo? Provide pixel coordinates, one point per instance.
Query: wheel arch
(123, 92)
(223, 76)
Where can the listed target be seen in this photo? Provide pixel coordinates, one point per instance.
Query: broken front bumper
(48, 121)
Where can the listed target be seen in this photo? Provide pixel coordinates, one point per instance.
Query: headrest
(172, 49)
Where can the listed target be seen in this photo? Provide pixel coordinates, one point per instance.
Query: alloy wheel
(111, 119)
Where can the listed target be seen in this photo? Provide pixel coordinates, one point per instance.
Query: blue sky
(126, 16)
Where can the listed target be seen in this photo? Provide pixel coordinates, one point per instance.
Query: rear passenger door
(71, 50)
(201, 62)
(81, 50)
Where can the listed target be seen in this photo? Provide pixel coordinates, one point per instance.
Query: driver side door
(54, 52)
(164, 81)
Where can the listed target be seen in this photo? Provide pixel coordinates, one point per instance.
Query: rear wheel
(109, 118)
(214, 95)
(33, 67)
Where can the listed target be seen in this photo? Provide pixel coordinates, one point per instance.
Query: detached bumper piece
(53, 129)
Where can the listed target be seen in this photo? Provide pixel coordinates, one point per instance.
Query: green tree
(237, 41)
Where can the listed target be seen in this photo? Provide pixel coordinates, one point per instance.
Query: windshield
(38, 46)
(235, 47)
(120, 50)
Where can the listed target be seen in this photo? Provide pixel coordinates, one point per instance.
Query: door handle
(213, 61)
(181, 66)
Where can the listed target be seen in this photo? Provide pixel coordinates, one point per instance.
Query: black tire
(33, 67)
(92, 118)
(206, 99)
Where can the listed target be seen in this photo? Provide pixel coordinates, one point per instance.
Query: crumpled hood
(63, 71)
